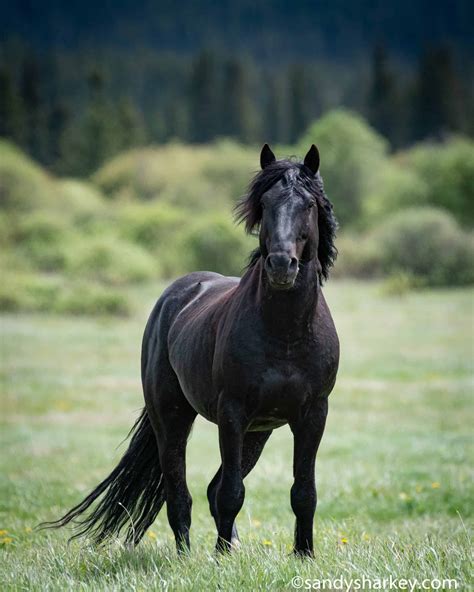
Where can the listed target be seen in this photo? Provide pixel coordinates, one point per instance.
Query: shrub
(396, 187)
(351, 154)
(193, 176)
(448, 173)
(215, 244)
(81, 200)
(43, 293)
(110, 260)
(92, 299)
(42, 239)
(358, 257)
(23, 184)
(428, 244)
(150, 225)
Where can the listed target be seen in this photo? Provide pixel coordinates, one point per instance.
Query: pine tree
(58, 119)
(275, 110)
(129, 123)
(381, 92)
(238, 116)
(203, 92)
(12, 123)
(35, 135)
(89, 140)
(440, 101)
(298, 101)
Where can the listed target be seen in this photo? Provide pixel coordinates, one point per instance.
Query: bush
(42, 239)
(357, 257)
(81, 200)
(215, 244)
(351, 154)
(110, 260)
(23, 184)
(42, 293)
(396, 187)
(447, 170)
(194, 176)
(150, 225)
(92, 300)
(429, 244)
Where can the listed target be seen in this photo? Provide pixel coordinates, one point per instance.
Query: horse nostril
(293, 264)
(268, 263)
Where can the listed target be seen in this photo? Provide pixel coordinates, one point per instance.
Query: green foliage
(42, 239)
(93, 299)
(447, 170)
(215, 244)
(396, 187)
(351, 154)
(23, 292)
(358, 256)
(112, 261)
(429, 244)
(195, 177)
(399, 284)
(23, 184)
(425, 244)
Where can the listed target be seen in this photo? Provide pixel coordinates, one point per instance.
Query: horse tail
(132, 495)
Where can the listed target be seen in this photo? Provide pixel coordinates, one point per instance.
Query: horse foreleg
(307, 433)
(252, 448)
(230, 490)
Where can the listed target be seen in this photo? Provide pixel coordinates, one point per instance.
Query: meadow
(393, 474)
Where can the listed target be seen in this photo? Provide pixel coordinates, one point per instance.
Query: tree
(275, 111)
(298, 101)
(384, 101)
(203, 92)
(439, 102)
(94, 137)
(238, 116)
(12, 124)
(35, 139)
(129, 123)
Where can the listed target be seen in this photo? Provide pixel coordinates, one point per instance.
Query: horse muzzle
(281, 270)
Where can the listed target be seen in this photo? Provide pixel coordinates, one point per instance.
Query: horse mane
(249, 210)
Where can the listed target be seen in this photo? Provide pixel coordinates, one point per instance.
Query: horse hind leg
(172, 419)
(253, 445)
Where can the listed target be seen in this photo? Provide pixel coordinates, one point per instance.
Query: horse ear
(266, 156)
(311, 160)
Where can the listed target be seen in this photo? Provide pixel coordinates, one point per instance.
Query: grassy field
(395, 489)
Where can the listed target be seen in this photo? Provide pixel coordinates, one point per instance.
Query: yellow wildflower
(151, 534)
(435, 485)
(267, 543)
(6, 540)
(3, 532)
(344, 540)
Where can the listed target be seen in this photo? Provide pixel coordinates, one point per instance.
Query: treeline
(72, 111)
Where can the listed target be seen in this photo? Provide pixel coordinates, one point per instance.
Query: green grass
(395, 489)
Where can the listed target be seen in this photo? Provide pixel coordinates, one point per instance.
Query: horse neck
(288, 315)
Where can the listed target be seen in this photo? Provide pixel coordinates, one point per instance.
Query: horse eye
(310, 205)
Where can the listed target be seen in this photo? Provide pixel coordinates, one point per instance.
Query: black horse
(249, 354)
